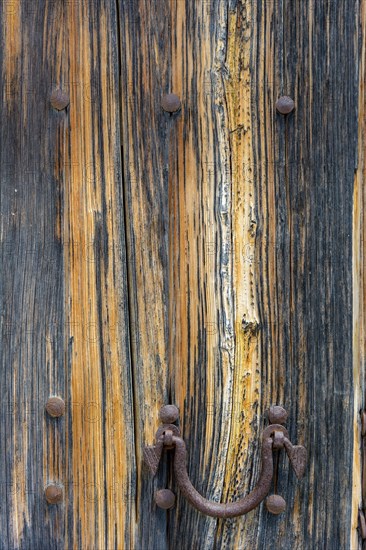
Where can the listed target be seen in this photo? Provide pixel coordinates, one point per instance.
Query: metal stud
(165, 499)
(54, 494)
(55, 407)
(171, 103)
(285, 105)
(169, 414)
(275, 504)
(362, 524)
(277, 415)
(59, 100)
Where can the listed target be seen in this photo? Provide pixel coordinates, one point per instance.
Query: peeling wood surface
(212, 258)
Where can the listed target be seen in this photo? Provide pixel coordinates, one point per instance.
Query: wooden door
(212, 258)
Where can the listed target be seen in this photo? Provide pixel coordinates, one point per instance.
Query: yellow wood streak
(359, 290)
(204, 291)
(12, 47)
(246, 386)
(196, 270)
(102, 462)
(12, 50)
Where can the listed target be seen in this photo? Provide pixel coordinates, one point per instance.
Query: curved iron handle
(274, 437)
(231, 509)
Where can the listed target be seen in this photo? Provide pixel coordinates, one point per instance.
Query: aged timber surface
(63, 292)
(243, 220)
(212, 258)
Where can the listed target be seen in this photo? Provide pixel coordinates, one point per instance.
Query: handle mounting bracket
(274, 438)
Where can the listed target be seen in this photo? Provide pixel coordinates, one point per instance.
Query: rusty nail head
(277, 415)
(285, 105)
(363, 423)
(55, 407)
(59, 100)
(362, 524)
(169, 414)
(165, 499)
(171, 103)
(275, 504)
(53, 494)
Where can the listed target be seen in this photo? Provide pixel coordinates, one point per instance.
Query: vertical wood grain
(32, 290)
(65, 306)
(147, 136)
(102, 458)
(180, 236)
(237, 284)
(359, 309)
(284, 188)
(308, 301)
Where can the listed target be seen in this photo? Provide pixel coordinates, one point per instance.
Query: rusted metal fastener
(54, 494)
(55, 407)
(285, 105)
(275, 504)
(363, 423)
(169, 414)
(274, 437)
(59, 100)
(278, 440)
(171, 103)
(277, 415)
(362, 524)
(165, 499)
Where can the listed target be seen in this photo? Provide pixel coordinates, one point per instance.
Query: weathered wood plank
(103, 454)
(180, 239)
(307, 303)
(359, 294)
(32, 281)
(66, 301)
(282, 320)
(240, 258)
(181, 209)
(146, 133)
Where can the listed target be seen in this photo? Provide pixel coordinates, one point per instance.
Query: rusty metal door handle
(274, 438)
